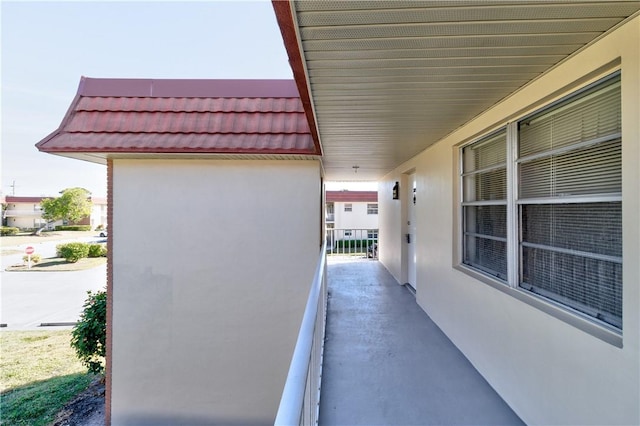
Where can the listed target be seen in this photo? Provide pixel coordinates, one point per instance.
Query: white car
(104, 233)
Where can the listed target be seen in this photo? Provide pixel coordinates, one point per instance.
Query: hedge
(73, 228)
(8, 230)
(72, 252)
(363, 244)
(97, 250)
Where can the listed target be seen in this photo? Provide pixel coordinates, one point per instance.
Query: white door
(410, 237)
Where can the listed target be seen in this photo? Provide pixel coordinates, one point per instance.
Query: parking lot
(30, 299)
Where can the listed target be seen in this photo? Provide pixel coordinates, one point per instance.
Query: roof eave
(284, 17)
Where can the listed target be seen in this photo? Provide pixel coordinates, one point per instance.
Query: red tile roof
(351, 196)
(20, 199)
(184, 116)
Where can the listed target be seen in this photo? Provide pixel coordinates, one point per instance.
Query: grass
(58, 264)
(39, 374)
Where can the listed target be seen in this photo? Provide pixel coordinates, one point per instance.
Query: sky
(47, 46)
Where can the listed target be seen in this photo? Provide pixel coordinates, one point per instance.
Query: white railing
(17, 213)
(299, 404)
(352, 242)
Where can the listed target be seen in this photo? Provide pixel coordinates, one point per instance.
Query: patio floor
(387, 363)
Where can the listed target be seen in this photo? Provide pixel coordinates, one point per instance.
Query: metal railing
(352, 242)
(299, 404)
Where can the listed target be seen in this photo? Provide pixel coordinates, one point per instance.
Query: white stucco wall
(357, 218)
(547, 370)
(212, 263)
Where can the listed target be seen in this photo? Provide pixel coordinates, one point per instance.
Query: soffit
(389, 78)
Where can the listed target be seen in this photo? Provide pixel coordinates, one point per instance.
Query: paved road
(28, 299)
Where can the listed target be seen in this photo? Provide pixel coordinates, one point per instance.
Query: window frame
(371, 209)
(511, 285)
(348, 207)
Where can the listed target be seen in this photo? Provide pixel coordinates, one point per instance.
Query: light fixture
(355, 168)
(396, 191)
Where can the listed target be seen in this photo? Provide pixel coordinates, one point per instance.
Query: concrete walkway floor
(387, 363)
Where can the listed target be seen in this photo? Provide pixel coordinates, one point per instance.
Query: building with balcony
(504, 137)
(351, 209)
(25, 213)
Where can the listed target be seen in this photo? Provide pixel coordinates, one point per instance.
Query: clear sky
(48, 46)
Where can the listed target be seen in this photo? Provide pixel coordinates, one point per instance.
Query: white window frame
(372, 208)
(348, 207)
(589, 324)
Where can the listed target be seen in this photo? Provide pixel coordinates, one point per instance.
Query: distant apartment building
(352, 212)
(26, 213)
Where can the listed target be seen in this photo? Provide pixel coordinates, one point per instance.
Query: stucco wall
(355, 219)
(212, 263)
(548, 371)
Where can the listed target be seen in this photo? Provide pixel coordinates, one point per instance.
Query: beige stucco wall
(212, 263)
(548, 371)
(24, 215)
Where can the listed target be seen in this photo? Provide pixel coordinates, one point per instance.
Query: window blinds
(570, 203)
(484, 180)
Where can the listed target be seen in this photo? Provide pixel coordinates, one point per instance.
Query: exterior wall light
(396, 191)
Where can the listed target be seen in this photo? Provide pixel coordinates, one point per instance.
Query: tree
(73, 205)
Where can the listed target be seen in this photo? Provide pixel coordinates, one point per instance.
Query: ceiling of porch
(386, 79)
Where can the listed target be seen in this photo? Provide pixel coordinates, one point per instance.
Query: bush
(97, 250)
(73, 228)
(35, 258)
(8, 230)
(99, 227)
(72, 252)
(89, 335)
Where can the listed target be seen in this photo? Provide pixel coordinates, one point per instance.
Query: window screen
(484, 188)
(570, 203)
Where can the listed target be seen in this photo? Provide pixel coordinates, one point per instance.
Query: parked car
(104, 233)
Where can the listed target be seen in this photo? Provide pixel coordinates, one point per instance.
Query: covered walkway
(387, 363)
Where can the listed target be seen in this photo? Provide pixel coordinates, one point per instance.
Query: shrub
(353, 244)
(89, 335)
(97, 250)
(72, 252)
(99, 227)
(8, 230)
(35, 258)
(73, 228)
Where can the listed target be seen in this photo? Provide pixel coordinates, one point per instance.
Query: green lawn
(39, 374)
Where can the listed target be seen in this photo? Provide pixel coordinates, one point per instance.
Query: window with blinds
(484, 206)
(564, 203)
(570, 202)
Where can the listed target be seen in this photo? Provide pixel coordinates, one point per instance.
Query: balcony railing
(23, 213)
(301, 394)
(352, 242)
